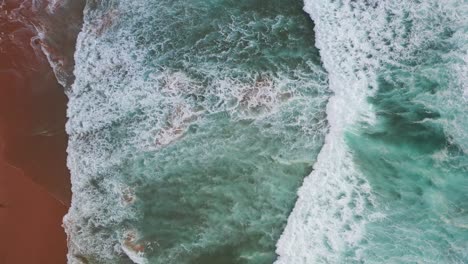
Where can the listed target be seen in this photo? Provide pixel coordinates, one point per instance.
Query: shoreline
(35, 191)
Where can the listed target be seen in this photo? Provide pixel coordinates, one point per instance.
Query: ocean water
(391, 182)
(220, 131)
(192, 125)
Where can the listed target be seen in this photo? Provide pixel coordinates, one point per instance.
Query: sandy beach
(34, 179)
(30, 221)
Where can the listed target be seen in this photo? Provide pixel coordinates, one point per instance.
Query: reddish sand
(30, 221)
(34, 179)
(30, 216)
(32, 106)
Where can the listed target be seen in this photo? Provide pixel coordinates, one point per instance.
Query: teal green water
(192, 126)
(223, 193)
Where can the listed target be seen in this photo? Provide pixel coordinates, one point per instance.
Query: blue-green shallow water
(191, 127)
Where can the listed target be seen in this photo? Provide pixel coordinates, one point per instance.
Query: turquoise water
(400, 151)
(237, 132)
(415, 163)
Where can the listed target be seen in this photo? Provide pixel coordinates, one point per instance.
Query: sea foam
(191, 135)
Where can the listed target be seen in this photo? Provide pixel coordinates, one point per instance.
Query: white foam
(56, 62)
(355, 39)
(137, 258)
(119, 106)
(53, 5)
(329, 217)
(133, 249)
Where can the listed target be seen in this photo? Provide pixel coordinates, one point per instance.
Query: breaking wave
(388, 184)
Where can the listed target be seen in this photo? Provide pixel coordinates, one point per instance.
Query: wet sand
(30, 221)
(35, 185)
(34, 180)
(32, 106)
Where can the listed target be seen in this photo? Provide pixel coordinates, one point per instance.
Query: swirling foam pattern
(192, 124)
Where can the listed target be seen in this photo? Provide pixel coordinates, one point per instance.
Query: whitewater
(222, 131)
(191, 127)
(390, 184)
